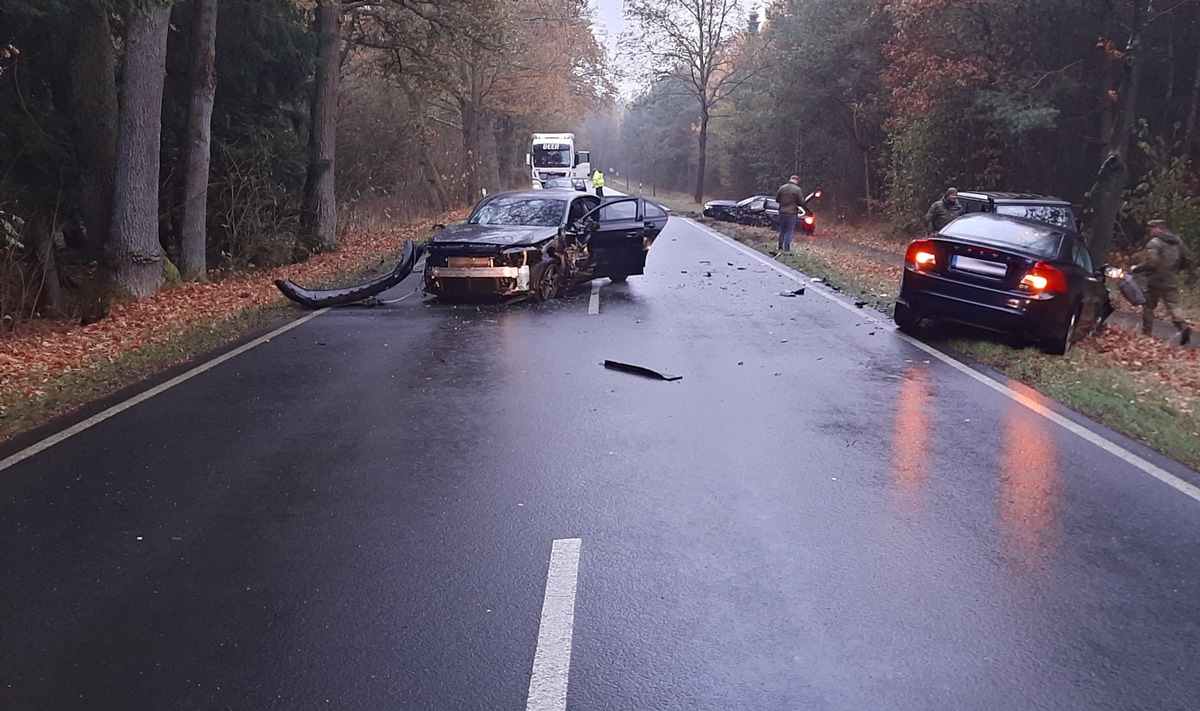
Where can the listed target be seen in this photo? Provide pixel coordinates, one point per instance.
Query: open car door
(616, 241)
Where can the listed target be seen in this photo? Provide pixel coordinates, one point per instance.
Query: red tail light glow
(808, 219)
(817, 194)
(1043, 278)
(921, 254)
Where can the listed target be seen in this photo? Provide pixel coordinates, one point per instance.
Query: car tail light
(817, 194)
(808, 219)
(1043, 278)
(921, 254)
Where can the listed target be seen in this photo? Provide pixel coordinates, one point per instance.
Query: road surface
(420, 506)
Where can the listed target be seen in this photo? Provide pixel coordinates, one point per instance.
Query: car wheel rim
(1069, 335)
(548, 286)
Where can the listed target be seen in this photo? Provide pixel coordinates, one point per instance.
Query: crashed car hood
(498, 235)
(720, 203)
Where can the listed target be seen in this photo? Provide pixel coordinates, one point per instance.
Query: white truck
(553, 155)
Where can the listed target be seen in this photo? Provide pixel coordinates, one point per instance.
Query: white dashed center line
(552, 660)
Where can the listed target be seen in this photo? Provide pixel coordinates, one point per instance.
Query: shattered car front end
(468, 262)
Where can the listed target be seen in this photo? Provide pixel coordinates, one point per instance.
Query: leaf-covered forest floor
(1141, 386)
(49, 367)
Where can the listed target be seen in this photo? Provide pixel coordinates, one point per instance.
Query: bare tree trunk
(1114, 171)
(92, 71)
(429, 172)
(702, 159)
(193, 263)
(490, 156)
(136, 251)
(430, 177)
(320, 198)
(470, 128)
(41, 228)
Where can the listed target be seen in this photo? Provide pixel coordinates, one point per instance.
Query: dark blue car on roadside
(1005, 274)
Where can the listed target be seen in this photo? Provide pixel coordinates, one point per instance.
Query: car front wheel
(547, 278)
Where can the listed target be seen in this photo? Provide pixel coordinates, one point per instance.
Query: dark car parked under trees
(1005, 274)
(759, 211)
(540, 243)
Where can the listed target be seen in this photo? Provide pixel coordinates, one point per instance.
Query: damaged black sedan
(538, 244)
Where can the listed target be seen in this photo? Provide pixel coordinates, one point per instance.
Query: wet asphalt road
(359, 514)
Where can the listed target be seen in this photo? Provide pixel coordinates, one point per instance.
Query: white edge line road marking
(142, 397)
(1112, 448)
(594, 302)
(552, 660)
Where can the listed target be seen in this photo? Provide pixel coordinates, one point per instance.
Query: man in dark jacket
(1164, 259)
(790, 197)
(943, 211)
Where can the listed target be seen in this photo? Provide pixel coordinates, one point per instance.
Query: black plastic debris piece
(860, 304)
(639, 370)
(797, 292)
(323, 298)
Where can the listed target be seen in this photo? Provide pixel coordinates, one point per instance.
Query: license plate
(979, 266)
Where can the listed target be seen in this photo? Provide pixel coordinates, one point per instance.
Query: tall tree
(92, 72)
(193, 234)
(694, 41)
(1113, 178)
(135, 247)
(320, 198)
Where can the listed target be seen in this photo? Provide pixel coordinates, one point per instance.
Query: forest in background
(885, 103)
(145, 142)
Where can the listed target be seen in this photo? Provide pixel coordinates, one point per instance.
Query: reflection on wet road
(912, 441)
(1029, 495)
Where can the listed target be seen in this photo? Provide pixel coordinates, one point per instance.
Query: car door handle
(634, 233)
(649, 225)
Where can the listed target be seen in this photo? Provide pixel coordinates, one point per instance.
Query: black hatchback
(1005, 274)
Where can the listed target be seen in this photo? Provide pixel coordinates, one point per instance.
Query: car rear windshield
(1060, 215)
(528, 211)
(1032, 239)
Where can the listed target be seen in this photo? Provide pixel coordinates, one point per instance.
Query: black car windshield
(528, 211)
(1033, 239)
(1060, 215)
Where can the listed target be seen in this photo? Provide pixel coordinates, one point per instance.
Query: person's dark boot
(1185, 336)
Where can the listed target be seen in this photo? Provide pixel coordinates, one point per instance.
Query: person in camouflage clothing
(1165, 258)
(943, 211)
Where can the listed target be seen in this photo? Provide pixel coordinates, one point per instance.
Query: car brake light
(817, 194)
(808, 219)
(921, 254)
(1044, 278)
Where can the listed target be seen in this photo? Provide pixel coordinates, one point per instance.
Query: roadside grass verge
(678, 203)
(61, 366)
(1144, 388)
(58, 395)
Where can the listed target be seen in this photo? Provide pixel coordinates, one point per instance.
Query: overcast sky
(608, 27)
(609, 20)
